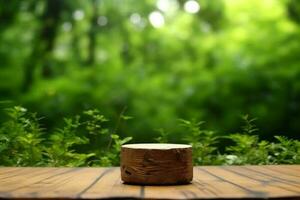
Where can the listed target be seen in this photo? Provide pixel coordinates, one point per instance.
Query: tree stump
(156, 164)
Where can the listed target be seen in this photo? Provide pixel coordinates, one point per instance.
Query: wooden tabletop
(213, 182)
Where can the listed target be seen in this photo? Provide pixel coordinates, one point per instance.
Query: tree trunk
(92, 34)
(44, 44)
(156, 164)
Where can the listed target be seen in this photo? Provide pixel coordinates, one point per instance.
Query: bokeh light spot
(167, 6)
(156, 19)
(102, 21)
(67, 26)
(135, 18)
(191, 6)
(78, 15)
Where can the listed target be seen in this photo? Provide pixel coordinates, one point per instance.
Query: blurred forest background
(160, 60)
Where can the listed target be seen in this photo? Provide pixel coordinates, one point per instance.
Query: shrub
(24, 143)
(86, 140)
(246, 148)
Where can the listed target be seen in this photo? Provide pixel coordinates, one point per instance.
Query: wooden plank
(264, 184)
(210, 182)
(229, 185)
(204, 185)
(67, 184)
(31, 177)
(283, 170)
(12, 181)
(111, 186)
(280, 177)
(8, 173)
(220, 185)
(7, 170)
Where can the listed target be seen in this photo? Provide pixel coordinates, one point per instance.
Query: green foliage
(21, 139)
(23, 143)
(207, 65)
(249, 127)
(286, 151)
(163, 136)
(249, 150)
(94, 125)
(85, 140)
(61, 151)
(245, 148)
(111, 157)
(203, 142)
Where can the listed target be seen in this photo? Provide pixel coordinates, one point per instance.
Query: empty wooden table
(210, 182)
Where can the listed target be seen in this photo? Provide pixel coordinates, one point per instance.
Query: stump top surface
(213, 182)
(156, 146)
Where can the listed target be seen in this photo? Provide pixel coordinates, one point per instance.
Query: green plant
(87, 140)
(23, 142)
(111, 157)
(61, 150)
(249, 127)
(245, 148)
(163, 136)
(205, 151)
(286, 151)
(21, 139)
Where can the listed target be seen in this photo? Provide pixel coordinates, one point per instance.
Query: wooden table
(213, 182)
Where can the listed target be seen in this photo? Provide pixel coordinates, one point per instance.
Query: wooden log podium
(156, 164)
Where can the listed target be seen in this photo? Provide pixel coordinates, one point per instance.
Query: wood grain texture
(210, 182)
(156, 164)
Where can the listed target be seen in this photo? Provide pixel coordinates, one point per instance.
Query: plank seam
(106, 171)
(255, 193)
(281, 172)
(260, 181)
(142, 192)
(285, 181)
(40, 181)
